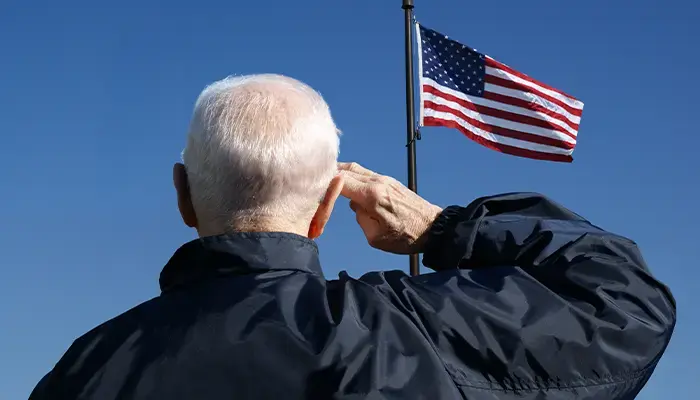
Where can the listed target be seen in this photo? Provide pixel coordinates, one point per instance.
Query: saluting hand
(392, 217)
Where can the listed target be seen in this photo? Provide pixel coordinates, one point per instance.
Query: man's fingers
(360, 177)
(356, 168)
(354, 188)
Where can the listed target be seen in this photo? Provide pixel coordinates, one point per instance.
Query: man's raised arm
(529, 298)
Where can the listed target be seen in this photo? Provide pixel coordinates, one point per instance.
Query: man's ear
(323, 213)
(184, 199)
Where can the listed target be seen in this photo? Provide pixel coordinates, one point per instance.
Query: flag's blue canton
(451, 63)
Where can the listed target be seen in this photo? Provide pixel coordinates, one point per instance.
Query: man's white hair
(259, 147)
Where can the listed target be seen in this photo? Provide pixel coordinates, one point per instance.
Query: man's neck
(258, 226)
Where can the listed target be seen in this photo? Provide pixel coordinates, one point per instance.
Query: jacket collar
(239, 253)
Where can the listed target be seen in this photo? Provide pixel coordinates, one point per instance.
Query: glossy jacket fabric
(529, 301)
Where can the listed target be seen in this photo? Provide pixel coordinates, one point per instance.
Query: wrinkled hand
(393, 218)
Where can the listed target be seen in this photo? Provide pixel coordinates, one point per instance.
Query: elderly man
(528, 301)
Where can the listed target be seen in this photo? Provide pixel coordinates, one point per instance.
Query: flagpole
(410, 115)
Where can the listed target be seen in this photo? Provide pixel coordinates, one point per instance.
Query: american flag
(493, 104)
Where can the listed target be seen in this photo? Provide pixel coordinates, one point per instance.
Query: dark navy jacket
(529, 301)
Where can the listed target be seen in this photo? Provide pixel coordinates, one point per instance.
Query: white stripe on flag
(496, 138)
(494, 121)
(533, 98)
(501, 106)
(507, 75)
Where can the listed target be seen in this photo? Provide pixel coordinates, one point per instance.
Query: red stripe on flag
(490, 62)
(516, 151)
(506, 83)
(494, 112)
(530, 105)
(526, 137)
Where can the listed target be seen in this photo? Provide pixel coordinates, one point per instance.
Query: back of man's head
(261, 151)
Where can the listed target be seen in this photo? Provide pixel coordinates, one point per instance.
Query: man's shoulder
(102, 337)
(128, 317)
(90, 352)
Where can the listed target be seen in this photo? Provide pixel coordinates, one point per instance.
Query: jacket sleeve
(531, 297)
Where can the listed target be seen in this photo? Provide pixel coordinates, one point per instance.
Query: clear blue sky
(95, 101)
